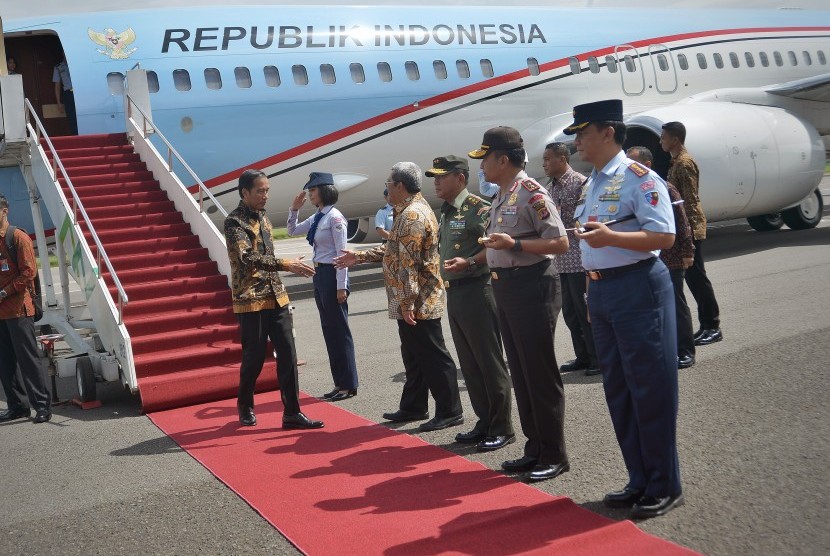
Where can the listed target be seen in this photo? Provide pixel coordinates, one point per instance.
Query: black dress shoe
(437, 423)
(42, 416)
(624, 498)
(329, 395)
(300, 421)
(592, 371)
(544, 471)
(698, 333)
(709, 337)
(343, 395)
(16, 413)
(685, 361)
(524, 463)
(246, 416)
(574, 365)
(401, 416)
(472, 437)
(492, 443)
(653, 506)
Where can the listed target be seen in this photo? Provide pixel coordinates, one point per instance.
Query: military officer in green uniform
(524, 230)
(470, 304)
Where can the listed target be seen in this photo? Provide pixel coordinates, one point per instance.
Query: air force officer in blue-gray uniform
(631, 306)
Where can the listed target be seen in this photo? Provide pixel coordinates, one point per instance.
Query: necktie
(313, 229)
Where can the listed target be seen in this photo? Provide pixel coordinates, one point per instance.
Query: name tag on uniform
(509, 211)
(457, 224)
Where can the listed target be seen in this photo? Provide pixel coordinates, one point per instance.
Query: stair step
(168, 319)
(116, 177)
(145, 260)
(97, 212)
(158, 244)
(70, 163)
(113, 188)
(172, 273)
(205, 334)
(84, 141)
(152, 290)
(134, 220)
(187, 302)
(150, 232)
(187, 357)
(92, 151)
(129, 198)
(105, 169)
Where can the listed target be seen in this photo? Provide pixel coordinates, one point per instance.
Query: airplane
(353, 89)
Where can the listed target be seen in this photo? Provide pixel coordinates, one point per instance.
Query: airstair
(151, 264)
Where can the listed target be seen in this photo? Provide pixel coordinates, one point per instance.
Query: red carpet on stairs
(356, 487)
(184, 335)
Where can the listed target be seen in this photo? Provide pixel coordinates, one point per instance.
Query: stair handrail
(171, 154)
(40, 132)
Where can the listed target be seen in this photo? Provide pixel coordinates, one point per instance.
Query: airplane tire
(807, 214)
(766, 222)
(85, 379)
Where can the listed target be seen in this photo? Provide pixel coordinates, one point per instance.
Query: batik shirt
(683, 247)
(411, 264)
(685, 176)
(17, 276)
(565, 192)
(255, 283)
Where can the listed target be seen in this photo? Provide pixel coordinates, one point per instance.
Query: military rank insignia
(530, 185)
(638, 169)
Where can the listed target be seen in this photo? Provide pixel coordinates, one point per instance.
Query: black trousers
(528, 305)
(334, 320)
(429, 369)
(708, 312)
(68, 100)
(256, 328)
(685, 331)
(475, 332)
(575, 314)
(18, 351)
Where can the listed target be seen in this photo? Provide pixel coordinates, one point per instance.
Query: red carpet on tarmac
(356, 487)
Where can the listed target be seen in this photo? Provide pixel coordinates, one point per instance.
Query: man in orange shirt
(18, 347)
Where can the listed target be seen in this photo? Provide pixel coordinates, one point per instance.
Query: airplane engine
(755, 161)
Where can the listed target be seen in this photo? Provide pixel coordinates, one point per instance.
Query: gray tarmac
(752, 431)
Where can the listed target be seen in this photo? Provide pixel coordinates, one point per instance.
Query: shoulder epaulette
(530, 185)
(638, 169)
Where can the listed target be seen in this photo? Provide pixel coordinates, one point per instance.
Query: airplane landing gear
(807, 214)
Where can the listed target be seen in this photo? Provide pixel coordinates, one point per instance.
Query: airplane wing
(816, 88)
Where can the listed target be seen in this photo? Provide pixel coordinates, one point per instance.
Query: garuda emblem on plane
(115, 44)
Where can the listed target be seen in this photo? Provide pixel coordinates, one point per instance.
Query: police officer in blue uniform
(631, 306)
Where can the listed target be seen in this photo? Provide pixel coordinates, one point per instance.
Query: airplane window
(533, 66)
(733, 58)
(463, 69)
(243, 77)
(630, 66)
(300, 74)
(115, 82)
(793, 58)
(682, 61)
(412, 71)
(153, 81)
(808, 60)
(272, 76)
(593, 64)
(487, 68)
(701, 61)
(718, 60)
(385, 71)
(358, 75)
(440, 69)
(213, 79)
(764, 59)
(750, 61)
(611, 62)
(327, 74)
(181, 79)
(662, 62)
(822, 59)
(576, 69)
(778, 60)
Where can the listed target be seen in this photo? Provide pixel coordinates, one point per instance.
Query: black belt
(323, 264)
(516, 271)
(605, 273)
(462, 281)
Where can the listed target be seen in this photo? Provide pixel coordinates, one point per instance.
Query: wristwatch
(517, 246)
(471, 261)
